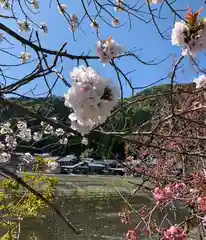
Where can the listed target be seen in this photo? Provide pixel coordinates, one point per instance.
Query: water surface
(96, 218)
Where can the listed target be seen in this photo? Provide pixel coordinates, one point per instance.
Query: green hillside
(130, 116)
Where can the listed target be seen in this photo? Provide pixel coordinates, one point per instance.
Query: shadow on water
(97, 219)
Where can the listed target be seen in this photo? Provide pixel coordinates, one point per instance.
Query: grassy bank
(93, 186)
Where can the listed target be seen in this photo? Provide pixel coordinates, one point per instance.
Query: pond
(96, 218)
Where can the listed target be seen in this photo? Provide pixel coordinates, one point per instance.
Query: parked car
(118, 170)
(83, 168)
(98, 168)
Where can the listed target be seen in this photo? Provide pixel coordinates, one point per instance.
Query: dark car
(83, 168)
(95, 167)
(118, 170)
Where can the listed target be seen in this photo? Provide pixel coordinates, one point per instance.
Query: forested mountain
(145, 105)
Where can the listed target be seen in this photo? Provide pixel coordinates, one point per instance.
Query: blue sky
(141, 36)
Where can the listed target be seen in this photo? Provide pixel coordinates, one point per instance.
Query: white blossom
(155, 1)
(5, 4)
(21, 125)
(4, 157)
(191, 42)
(53, 165)
(48, 130)
(62, 8)
(179, 33)
(35, 4)
(197, 42)
(28, 158)
(25, 134)
(10, 141)
(44, 27)
(74, 23)
(2, 146)
(200, 81)
(85, 141)
(25, 57)
(37, 136)
(91, 97)
(5, 128)
(63, 141)
(119, 5)
(106, 50)
(43, 124)
(95, 24)
(24, 26)
(83, 129)
(116, 22)
(59, 132)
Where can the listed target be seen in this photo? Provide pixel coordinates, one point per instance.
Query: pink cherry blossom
(175, 233)
(179, 187)
(201, 201)
(162, 194)
(132, 234)
(169, 192)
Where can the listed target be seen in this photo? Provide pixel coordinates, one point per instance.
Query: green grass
(90, 186)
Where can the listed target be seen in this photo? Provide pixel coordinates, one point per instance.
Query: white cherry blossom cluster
(74, 23)
(91, 97)
(59, 132)
(52, 165)
(5, 157)
(119, 5)
(24, 133)
(35, 4)
(190, 36)
(44, 27)
(24, 26)
(21, 125)
(37, 136)
(200, 81)
(5, 128)
(48, 129)
(25, 57)
(116, 22)
(28, 158)
(62, 8)
(10, 141)
(108, 49)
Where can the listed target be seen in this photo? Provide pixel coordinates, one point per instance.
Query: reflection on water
(97, 219)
